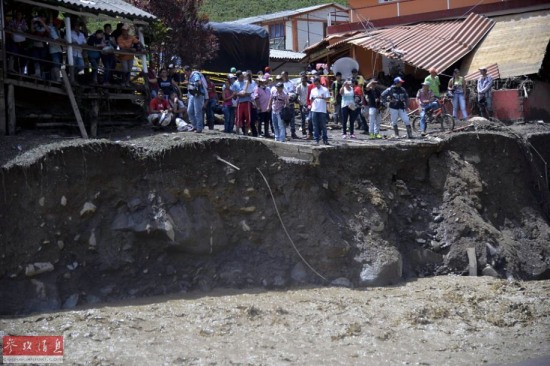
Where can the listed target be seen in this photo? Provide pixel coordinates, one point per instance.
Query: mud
(444, 320)
(100, 221)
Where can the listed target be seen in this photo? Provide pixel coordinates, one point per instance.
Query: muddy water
(436, 321)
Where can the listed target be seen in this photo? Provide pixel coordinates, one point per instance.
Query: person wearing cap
(277, 101)
(126, 42)
(261, 96)
(56, 52)
(96, 41)
(398, 103)
(457, 86)
(319, 97)
(426, 100)
(335, 88)
(372, 95)
(484, 89)
(196, 93)
(356, 76)
(290, 89)
(433, 80)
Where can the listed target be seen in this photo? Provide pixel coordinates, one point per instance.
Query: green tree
(179, 31)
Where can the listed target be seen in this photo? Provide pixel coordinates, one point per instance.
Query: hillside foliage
(227, 10)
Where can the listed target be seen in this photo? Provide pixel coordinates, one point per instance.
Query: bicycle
(436, 115)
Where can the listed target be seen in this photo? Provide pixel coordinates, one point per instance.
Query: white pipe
(69, 39)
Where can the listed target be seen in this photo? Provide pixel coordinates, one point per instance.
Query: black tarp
(243, 46)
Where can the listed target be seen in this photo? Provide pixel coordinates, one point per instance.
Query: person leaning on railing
(129, 43)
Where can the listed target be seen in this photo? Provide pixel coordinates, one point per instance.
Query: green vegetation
(227, 10)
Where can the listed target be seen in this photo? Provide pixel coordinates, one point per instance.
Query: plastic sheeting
(245, 47)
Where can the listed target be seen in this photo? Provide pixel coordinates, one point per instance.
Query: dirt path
(445, 320)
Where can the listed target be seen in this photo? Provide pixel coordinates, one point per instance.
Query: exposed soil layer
(86, 222)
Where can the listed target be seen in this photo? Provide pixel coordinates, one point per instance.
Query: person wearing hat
(457, 86)
(126, 42)
(484, 89)
(356, 76)
(433, 80)
(277, 101)
(261, 96)
(426, 100)
(372, 95)
(398, 103)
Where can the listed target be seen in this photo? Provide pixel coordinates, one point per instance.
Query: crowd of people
(264, 105)
(37, 43)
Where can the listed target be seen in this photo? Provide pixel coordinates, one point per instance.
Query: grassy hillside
(226, 10)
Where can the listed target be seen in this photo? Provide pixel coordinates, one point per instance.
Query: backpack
(195, 86)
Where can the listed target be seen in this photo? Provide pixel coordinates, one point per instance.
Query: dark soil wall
(114, 221)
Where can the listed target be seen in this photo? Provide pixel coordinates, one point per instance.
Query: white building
(297, 29)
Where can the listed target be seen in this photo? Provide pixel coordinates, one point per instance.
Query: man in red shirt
(159, 110)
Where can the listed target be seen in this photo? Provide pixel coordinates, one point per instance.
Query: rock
(38, 268)
(342, 282)
(92, 241)
(244, 226)
(279, 281)
(63, 201)
(72, 266)
(88, 209)
(438, 218)
(387, 268)
(135, 204)
(325, 185)
(92, 299)
(421, 241)
(60, 244)
(248, 209)
(402, 189)
(489, 271)
(299, 273)
(41, 201)
(71, 302)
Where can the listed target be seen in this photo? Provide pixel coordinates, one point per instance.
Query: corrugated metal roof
(491, 70)
(284, 14)
(426, 45)
(517, 43)
(285, 55)
(110, 7)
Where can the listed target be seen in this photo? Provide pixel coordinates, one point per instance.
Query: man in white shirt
(319, 97)
(78, 38)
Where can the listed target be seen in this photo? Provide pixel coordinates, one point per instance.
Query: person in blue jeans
(319, 97)
(457, 86)
(196, 87)
(426, 101)
(212, 101)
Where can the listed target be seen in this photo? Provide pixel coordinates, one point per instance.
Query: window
(277, 36)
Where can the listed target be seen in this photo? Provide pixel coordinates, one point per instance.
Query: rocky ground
(142, 214)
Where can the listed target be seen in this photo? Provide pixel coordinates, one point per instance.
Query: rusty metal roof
(108, 7)
(517, 43)
(428, 44)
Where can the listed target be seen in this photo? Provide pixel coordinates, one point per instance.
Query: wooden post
(472, 261)
(11, 110)
(3, 123)
(94, 117)
(76, 111)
